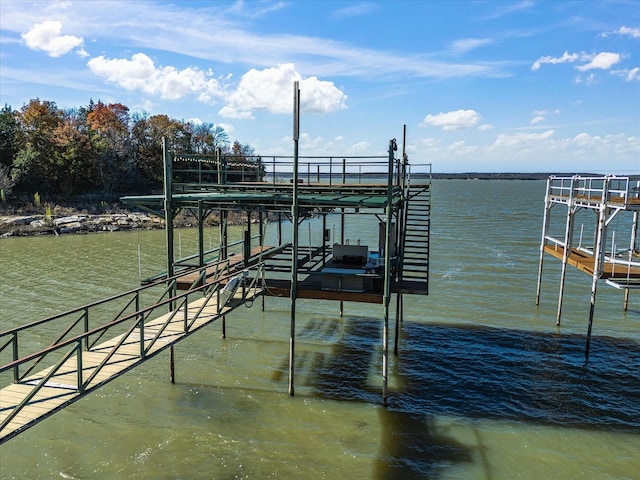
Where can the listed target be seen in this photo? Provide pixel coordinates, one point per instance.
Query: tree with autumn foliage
(98, 149)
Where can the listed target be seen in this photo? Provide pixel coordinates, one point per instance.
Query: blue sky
(486, 86)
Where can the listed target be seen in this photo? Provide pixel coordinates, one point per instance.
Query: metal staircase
(414, 270)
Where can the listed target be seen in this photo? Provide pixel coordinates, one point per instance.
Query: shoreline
(31, 225)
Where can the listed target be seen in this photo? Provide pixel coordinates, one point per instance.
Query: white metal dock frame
(609, 197)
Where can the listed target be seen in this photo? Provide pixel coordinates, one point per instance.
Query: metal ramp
(39, 384)
(414, 268)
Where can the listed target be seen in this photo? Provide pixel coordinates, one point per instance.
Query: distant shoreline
(499, 176)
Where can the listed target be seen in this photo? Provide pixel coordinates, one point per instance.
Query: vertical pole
(545, 232)
(200, 233)
(387, 276)
(247, 241)
(172, 371)
(294, 233)
(632, 246)
(168, 210)
(261, 226)
(224, 240)
(598, 260)
(395, 340)
(568, 236)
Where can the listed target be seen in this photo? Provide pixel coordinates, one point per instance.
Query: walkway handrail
(78, 338)
(12, 333)
(77, 341)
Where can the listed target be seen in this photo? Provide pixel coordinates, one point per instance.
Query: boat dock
(94, 347)
(605, 246)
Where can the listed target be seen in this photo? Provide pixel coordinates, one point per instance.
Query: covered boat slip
(605, 242)
(392, 194)
(96, 347)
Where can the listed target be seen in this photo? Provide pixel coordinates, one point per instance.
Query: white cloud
(630, 75)
(537, 119)
(357, 10)
(456, 120)
(140, 73)
(47, 36)
(360, 147)
(627, 31)
(603, 61)
(228, 127)
(466, 44)
(522, 140)
(565, 58)
(271, 89)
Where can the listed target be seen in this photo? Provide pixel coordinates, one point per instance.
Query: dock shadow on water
(478, 373)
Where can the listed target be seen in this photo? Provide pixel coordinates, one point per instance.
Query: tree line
(95, 149)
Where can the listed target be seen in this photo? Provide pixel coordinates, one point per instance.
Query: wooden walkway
(38, 396)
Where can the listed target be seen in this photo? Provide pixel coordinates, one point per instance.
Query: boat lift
(608, 257)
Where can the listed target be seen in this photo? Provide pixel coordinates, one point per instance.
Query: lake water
(485, 386)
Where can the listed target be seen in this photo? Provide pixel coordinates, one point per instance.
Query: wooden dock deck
(585, 262)
(36, 397)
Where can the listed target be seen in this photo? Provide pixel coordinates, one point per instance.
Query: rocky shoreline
(76, 222)
(30, 225)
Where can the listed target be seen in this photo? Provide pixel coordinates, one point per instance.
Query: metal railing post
(16, 369)
(79, 363)
(86, 328)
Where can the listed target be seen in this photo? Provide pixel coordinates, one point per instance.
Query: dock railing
(191, 171)
(608, 189)
(80, 335)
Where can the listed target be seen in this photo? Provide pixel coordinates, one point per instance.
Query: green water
(485, 386)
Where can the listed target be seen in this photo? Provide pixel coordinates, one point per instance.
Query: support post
(395, 339)
(247, 241)
(387, 275)
(168, 211)
(224, 238)
(632, 246)
(172, 370)
(598, 257)
(200, 233)
(568, 236)
(294, 234)
(545, 232)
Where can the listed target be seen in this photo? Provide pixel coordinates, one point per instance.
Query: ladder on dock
(414, 270)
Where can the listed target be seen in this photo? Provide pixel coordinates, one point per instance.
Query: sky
(482, 86)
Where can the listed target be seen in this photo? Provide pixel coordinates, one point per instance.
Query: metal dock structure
(605, 247)
(103, 340)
